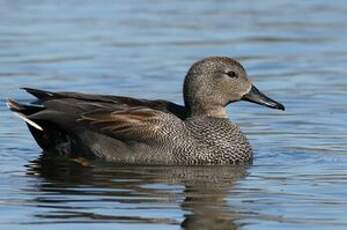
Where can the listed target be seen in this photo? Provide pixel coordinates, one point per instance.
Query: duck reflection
(200, 192)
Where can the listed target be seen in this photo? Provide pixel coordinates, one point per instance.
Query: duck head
(214, 82)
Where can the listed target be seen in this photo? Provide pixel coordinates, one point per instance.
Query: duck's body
(129, 130)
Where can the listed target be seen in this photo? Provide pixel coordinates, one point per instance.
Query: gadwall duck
(138, 131)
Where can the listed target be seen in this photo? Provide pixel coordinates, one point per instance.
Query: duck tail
(38, 93)
(23, 111)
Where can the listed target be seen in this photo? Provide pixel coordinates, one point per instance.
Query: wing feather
(120, 117)
(138, 123)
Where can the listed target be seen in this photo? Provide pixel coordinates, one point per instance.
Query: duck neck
(199, 110)
(198, 103)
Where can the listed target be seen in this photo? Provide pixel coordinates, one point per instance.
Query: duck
(129, 130)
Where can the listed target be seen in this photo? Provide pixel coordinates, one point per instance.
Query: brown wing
(120, 117)
(137, 123)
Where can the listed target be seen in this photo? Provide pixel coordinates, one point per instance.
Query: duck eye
(232, 74)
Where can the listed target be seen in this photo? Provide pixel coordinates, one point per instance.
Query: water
(295, 51)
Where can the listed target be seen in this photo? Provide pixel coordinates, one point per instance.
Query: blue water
(294, 51)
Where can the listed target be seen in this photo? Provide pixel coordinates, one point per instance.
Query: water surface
(295, 51)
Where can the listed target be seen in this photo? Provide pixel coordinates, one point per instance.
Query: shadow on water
(197, 194)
